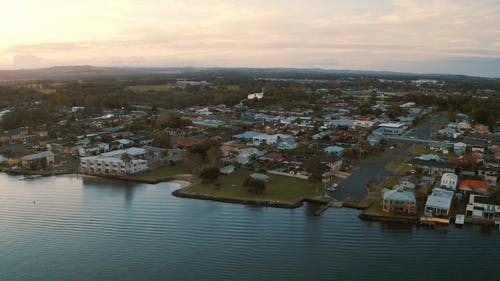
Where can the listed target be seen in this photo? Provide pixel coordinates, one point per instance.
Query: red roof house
(475, 186)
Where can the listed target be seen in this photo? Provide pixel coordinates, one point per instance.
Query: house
(439, 202)
(432, 167)
(393, 128)
(488, 174)
(261, 177)
(459, 148)
(399, 201)
(13, 134)
(155, 154)
(449, 181)
(246, 154)
(227, 150)
(273, 156)
(42, 159)
(185, 142)
(475, 186)
(337, 150)
(120, 144)
(409, 182)
(226, 170)
(481, 129)
(432, 157)
(443, 147)
(483, 207)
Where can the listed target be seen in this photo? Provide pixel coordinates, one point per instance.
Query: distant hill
(87, 71)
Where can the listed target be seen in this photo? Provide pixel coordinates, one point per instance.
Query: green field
(399, 165)
(279, 188)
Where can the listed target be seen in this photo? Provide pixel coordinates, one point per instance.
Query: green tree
(254, 185)
(209, 173)
(161, 139)
(315, 168)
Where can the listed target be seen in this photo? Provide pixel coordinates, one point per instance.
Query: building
(475, 186)
(432, 167)
(439, 202)
(483, 207)
(409, 182)
(398, 200)
(41, 159)
(113, 163)
(393, 128)
(459, 148)
(14, 134)
(449, 181)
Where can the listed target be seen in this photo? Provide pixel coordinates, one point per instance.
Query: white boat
(332, 188)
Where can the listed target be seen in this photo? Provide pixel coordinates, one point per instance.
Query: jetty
(433, 221)
(332, 203)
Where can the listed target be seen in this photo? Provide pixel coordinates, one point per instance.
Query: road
(355, 185)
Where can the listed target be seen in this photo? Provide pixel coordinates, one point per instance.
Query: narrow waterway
(69, 228)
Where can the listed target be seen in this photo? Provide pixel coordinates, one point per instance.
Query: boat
(459, 220)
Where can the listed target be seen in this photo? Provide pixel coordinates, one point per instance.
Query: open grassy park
(160, 174)
(282, 189)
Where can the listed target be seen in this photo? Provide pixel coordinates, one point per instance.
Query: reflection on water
(95, 229)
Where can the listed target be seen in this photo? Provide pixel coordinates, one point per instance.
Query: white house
(459, 147)
(449, 181)
(439, 202)
(393, 128)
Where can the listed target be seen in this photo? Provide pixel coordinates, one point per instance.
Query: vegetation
(254, 185)
(209, 173)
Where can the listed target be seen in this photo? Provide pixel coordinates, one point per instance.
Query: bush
(254, 185)
(209, 173)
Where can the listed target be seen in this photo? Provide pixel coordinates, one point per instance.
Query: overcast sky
(449, 36)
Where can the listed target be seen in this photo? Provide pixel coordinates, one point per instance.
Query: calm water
(89, 229)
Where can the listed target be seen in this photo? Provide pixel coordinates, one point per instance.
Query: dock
(459, 219)
(433, 221)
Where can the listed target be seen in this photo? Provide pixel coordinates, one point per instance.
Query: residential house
(337, 150)
(409, 182)
(393, 128)
(439, 202)
(483, 207)
(185, 142)
(432, 167)
(14, 134)
(449, 181)
(489, 174)
(475, 186)
(459, 148)
(399, 201)
(41, 159)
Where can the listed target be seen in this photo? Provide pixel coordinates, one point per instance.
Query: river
(74, 228)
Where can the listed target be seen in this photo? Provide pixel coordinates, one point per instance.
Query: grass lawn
(399, 165)
(159, 174)
(279, 188)
(419, 149)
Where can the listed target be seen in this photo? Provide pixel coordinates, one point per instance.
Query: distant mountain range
(87, 71)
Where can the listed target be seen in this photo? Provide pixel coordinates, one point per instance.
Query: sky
(424, 36)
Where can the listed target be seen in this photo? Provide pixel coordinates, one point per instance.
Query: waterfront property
(399, 201)
(114, 163)
(439, 202)
(483, 207)
(44, 158)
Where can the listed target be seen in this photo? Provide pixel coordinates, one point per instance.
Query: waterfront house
(449, 181)
(475, 186)
(399, 201)
(483, 207)
(409, 182)
(42, 159)
(439, 202)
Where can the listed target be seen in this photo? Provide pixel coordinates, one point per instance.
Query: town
(409, 149)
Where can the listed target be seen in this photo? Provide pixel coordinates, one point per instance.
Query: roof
(187, 141)
(450, 176)
(486, 200)
(392, 125)
(398, 194)
(439, 198)
(40, 155)
(472, 184)
(227, 148)
(274, 156)
(13, 132)
(433, 163)
(260, 176)
(411, 179)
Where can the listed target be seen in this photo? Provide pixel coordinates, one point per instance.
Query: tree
(315, 168)
(209, 173)
(213, 155)
(161, 139)
(126, 159)
(254, 185)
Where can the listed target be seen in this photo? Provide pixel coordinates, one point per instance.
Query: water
(94, 229)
